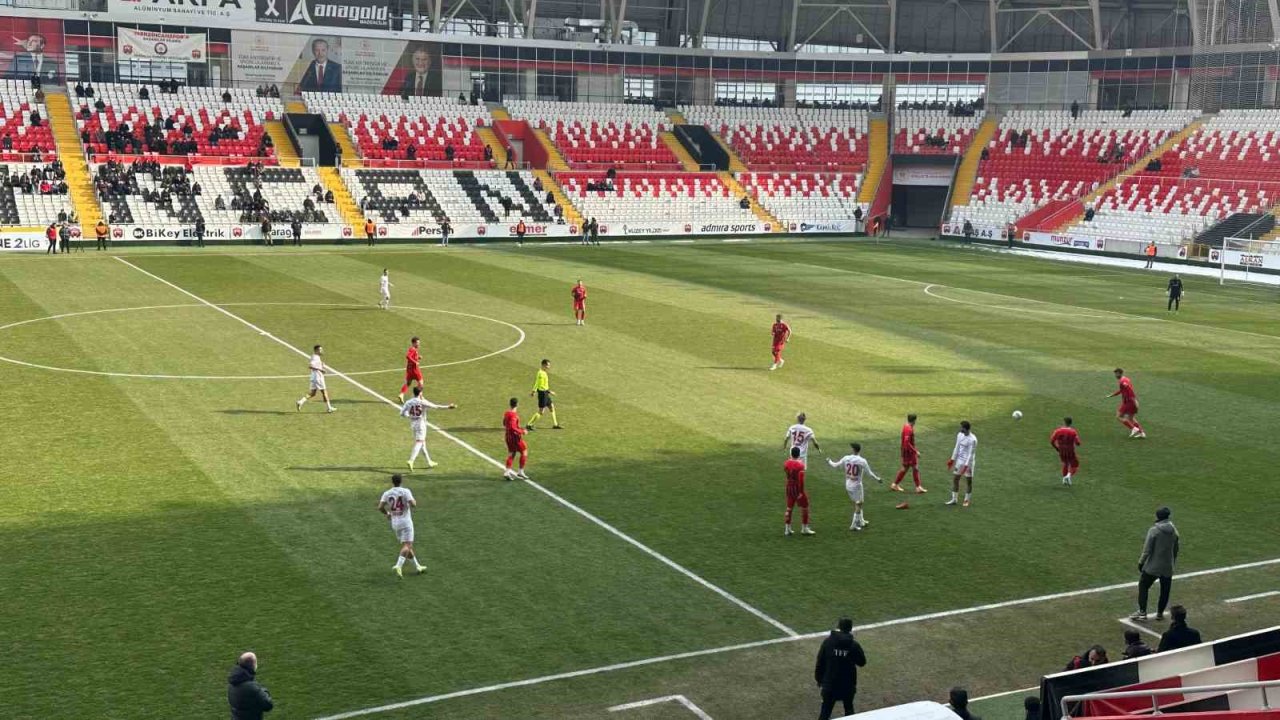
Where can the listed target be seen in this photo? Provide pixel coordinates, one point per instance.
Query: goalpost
(1244, 256)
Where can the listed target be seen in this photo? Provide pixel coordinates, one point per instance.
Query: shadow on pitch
(345, 468)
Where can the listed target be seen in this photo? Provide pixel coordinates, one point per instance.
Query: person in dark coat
(1133, 645)
(199, 232)
(836, 670)
(296, 228)
(1178, 635)
(959, 702)
(248, 699)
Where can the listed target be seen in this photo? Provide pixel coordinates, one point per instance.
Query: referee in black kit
(836, 671)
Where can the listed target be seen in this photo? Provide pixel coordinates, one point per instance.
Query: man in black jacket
(248, 699)
(1178, 635)
(836, 671)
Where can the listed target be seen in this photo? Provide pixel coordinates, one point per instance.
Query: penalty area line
(760, 614)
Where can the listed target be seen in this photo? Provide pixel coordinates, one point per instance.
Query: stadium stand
(32, 194)
(654, 197)
(1038, 156)
(805, 197)
(789, 138)
(193, 121)
(1230, 165)
(147, 193)
(600, 135)
(462, 196)
(418, 132)
(934, 132)
(24, 124)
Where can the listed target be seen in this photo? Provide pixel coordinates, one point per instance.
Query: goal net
(1241, 259)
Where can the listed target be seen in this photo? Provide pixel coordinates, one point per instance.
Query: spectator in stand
(1179, 635)
(1094, 656)
(511, 157)
(34, 118)
(836, 670)
(143, 93)
(247, 698)
(328, 196)
(1075, 109)
(226, 96)
(1133, 646)
(1089, 212)
(488, 154)
(449, 152)
(1159, 555)
(959, 702)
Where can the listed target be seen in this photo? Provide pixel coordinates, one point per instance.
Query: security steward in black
(836, 671)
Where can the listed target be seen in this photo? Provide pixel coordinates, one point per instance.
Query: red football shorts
(414, 374)
(579, 304)
(778, 346)
(796, 496)
(1069, 458)
(910, 458)
(516, 444)
(1127, 408)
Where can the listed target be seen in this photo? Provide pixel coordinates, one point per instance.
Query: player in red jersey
(579, 293)
(910, 461)
(1128, 410)
(412, 367)
(794, 469)
(1065, 440)
(515, 442)
(781, 334)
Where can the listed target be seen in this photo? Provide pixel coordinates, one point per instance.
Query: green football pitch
(163, 507)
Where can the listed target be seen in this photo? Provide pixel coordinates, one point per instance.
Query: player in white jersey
(855, 466)
(317, 369)
(800, 436)
(415, 408)
(397, 504)
(961, 463)
(384, 291)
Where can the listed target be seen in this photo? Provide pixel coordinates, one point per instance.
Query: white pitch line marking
(1255, 596)
(163, 376)
(678, 699)
(606, 526)
(774, 641)
(1140, 628)
(928, 290)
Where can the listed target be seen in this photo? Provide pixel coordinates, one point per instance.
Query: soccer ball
(1017, 414)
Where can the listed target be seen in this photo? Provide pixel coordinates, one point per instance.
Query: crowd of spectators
(266, 91)
(958, 108)
(49, 179)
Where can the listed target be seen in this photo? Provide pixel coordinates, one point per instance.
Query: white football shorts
(317, 380)
(403, 530)
(854, 489)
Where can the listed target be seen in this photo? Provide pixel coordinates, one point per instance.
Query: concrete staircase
(79, 179)
(1135, 168)
(490, 138)
(285, 152)
(346, 204)
(967, 173)
(295, 106)
(757, 209)
(549, 184)
(555, 161)
(877, 160)
(673, 144)
(499, 112)
(350, 156)
(677, 117)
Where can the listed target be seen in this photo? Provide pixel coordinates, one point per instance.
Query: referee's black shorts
(544, 399)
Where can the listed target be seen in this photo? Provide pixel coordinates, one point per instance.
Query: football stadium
(640, 359)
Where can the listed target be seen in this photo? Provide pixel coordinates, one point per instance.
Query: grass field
(151, 528)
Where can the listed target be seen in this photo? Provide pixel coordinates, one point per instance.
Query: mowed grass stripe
(120, 529)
